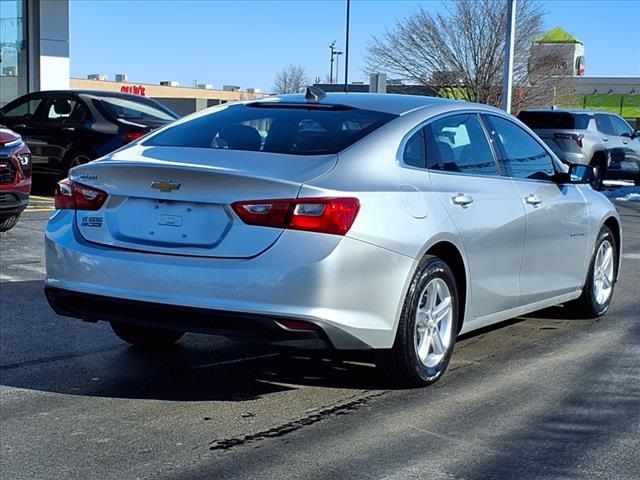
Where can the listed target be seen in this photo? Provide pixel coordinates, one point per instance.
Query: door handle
(462, 199)
(605, 139)
(68, 129)
(533, 200)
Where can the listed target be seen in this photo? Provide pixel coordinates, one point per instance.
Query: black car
(70, 127)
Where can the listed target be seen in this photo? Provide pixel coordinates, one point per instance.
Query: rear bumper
(12, 203)
(260, 328)
(350, 289)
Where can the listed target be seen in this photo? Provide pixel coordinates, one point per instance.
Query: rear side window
(604, 125)
(277, 128)
(458, 143)
(554, 120)
(127, 109)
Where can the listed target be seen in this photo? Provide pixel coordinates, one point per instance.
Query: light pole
(338, 66)
(332, 51)
(346, 57)
(507, 79)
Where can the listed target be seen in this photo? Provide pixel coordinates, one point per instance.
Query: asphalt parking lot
(541, 397)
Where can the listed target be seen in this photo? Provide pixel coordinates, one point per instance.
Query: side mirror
(579, 173)
(635, 134)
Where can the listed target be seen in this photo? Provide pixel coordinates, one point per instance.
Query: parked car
(603, 140)
(362, 221)
(71, 127)
(15, 178)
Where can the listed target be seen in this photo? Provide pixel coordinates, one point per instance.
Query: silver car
(345, 221)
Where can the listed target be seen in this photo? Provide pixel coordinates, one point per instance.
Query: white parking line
(631, 256)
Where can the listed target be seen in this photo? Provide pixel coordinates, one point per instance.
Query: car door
(22, 116)
(629, 144)
(557, 217)
(58, 129)
(484, 206)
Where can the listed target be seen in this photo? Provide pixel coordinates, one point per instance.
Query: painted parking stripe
(631, 256)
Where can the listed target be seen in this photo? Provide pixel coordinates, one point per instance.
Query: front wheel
(427, 329)
(148, 338)
(598, 289)
(8, 223)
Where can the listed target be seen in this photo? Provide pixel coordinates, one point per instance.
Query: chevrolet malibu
(343, 221)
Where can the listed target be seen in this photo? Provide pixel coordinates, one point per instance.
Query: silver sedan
(343, 221)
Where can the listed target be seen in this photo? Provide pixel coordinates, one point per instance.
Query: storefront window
(13, 50)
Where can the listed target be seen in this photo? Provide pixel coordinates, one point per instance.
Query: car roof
(396, 104)
(95, 93)
(564, 110)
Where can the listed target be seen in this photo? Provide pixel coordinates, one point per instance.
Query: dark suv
(70, 127)
(603, 140)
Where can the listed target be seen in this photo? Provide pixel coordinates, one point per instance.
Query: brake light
(131, 136)
(576, 137)
(75, 196)
(322, 215)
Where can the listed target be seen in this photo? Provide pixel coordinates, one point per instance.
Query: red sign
(135, 89)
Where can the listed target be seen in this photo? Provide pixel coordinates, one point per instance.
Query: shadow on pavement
(42, 351)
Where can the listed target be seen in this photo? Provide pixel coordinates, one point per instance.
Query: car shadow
(42, 351)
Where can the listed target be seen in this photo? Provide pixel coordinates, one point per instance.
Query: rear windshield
(128, 109)
(555, 120)
(275, 128)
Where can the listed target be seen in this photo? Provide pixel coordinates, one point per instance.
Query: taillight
(75, 196)
(322, 215)
(576, 137)
(131, 136)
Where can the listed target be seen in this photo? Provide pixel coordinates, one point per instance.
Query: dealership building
(34, 55)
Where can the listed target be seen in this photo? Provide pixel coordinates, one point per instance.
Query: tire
(147, 338)
(598, 176)
(417, 358)
(76, 158)
(598, 289)
(8, 223)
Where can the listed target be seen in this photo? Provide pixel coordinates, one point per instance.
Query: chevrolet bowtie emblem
(165, 185)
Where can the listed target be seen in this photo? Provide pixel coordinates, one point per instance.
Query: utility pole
(507, 79)
(346, 49)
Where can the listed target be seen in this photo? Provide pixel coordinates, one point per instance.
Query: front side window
(621, 127)
(296, 129)
(24, 110)
(524, 156)
(458, 143)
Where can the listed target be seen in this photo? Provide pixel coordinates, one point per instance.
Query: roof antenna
(314, 94)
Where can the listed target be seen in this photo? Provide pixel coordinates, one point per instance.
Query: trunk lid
(160, 205)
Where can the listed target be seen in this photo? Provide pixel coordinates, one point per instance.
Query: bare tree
(291, 79)
(460, 51)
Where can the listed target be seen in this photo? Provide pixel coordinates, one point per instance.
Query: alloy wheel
(603, 273)
(434, 322)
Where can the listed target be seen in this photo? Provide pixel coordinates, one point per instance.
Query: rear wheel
(598, 289)
(598, 175)
(427, 330)
(146, 337)
(8, 223)
(76, 158)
